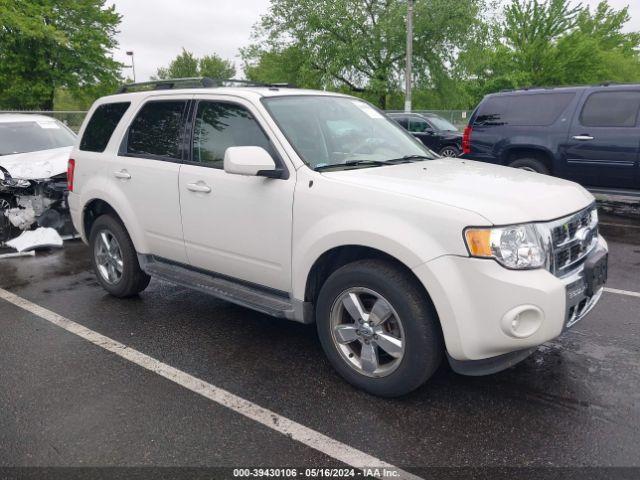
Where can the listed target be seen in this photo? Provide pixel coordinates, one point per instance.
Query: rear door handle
(199, 187)
(122, 174)
(582, 137)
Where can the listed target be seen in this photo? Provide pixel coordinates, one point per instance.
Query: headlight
(517, 246)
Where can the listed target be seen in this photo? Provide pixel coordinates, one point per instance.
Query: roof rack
(196, 82)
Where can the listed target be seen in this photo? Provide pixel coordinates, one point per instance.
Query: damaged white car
(34, 150)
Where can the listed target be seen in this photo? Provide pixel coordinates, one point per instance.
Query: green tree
(359, 44)
(552, 43)
(46, 45)
(187, 65)
(213, 66)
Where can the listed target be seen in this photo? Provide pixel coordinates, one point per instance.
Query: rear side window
(157, 130)
(219, 126)
(103, 122)
(533, 109)
(611, 109)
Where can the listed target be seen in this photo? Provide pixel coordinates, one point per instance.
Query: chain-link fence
(459, 118)
(71, 118)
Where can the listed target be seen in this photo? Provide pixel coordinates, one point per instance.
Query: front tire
(378, 328)
(114, 258)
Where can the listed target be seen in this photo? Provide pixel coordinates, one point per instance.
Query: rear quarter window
(103, 122)
(532, 109)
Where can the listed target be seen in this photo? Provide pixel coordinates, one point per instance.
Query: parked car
(434, 131)
(585, 134)
(34, 150)
(315, 207)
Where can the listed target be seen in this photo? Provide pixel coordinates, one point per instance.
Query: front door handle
(122, 174)
(583, 137)
(199, 187)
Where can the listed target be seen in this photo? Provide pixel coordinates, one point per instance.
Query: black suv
(590, 135)
(434, 131)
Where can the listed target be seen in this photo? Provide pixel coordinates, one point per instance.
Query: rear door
(146, 172)
(604, 140)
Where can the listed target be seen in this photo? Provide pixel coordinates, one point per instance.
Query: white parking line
(316, 440)
(622, 292)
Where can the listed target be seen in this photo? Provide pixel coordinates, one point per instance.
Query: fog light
(522, 321)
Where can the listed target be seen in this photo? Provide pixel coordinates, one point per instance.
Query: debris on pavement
(34, 239)
(30, 253)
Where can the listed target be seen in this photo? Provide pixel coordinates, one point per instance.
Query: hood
(37, 165)
(502, 195)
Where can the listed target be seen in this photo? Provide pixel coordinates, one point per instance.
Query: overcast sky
(156, 30)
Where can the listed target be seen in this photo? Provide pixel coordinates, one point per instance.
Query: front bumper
(476, 299)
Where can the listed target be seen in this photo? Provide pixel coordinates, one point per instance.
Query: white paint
(311, 438)
(37, 165)
(39, 238)
(622, 292)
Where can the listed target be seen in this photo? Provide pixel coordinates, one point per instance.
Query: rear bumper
(477, 300)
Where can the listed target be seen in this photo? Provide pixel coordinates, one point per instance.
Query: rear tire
(450, 151)
(530, 165)
(114, 258)
(406, 348)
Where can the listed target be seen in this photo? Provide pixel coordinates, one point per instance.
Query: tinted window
(611, 109)
(156, 130)
(220, 126)
(417, 125)
(402, 121)
(101, 126)
(528, 109)
(32, 136)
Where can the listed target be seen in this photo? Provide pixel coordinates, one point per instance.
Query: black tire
(449, 151)
(423, 350)
(530, 164)
(133, 279)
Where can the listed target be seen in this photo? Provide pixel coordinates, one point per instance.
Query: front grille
(572, 238)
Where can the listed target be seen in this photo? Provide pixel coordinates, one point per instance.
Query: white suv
(314, 207)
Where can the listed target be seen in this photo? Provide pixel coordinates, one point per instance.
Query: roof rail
(195, 82)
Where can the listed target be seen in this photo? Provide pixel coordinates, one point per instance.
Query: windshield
(441, 124)
(22, 137)
(331, 131)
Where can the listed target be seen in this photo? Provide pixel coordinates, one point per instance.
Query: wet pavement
(64, 401)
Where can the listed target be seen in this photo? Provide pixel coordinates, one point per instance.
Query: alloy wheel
(108, 256)
(367, 332)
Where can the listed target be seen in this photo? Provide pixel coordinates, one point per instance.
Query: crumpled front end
(27, 204)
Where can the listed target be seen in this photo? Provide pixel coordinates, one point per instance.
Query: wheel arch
(336, 257)
(539, 153)
(97, 206)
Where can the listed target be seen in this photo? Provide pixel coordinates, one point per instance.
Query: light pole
(133, 65)
(407, 73)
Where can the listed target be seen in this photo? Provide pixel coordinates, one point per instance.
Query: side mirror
(428, 130)
(251, 161)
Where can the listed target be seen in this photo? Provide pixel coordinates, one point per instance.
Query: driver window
(417, 125)
(219, 126)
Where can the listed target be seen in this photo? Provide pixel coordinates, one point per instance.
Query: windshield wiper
(408, 158)
(351, 163)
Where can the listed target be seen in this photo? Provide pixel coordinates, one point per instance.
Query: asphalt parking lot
(65, 401)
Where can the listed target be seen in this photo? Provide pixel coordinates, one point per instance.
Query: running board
(262, 300)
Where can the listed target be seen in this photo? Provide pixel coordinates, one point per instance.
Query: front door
(234, 225)
(424, 131)
(604, 141)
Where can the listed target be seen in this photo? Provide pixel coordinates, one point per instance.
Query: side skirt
(274, 303)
